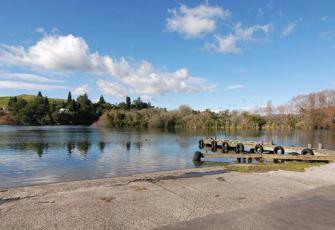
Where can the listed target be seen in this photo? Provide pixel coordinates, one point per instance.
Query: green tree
(86, 110)
(101, 100)
(69, 98)
(128, 102)
(12, 103)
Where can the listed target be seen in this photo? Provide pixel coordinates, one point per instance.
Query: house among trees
(63, 110)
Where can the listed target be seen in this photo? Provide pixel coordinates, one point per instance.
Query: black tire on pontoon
(239, 148)
(225, 147)
(201, 144)
(259, 149)
(197, 156)
(214, 146)
(307, 152)
(279, 150)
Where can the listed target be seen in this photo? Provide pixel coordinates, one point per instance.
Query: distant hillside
(4, 100)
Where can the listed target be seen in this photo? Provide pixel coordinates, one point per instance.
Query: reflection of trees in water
(39, 148)
(102, 146)
(68, 140)
(138, 145)
(128, 145)
(292, 137)
(83, 146)
(304, 137)
(236, 133)
(70, 146)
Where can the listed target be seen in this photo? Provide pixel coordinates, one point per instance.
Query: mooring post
(320, 145)
(309, 146)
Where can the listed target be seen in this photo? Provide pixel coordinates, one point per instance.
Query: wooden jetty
(271, 157)
(262, 151)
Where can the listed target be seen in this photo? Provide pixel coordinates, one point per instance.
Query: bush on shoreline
(184, 118)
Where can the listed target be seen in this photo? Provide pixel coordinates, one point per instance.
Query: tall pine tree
(69, 98)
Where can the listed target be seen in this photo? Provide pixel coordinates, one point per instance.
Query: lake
(36, 155)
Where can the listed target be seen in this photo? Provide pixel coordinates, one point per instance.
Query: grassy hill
(4, 100)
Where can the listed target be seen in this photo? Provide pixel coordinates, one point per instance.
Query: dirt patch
(138, 188)
(157, 179)
(107, 199)
(7, 119)
(46, 202)
(266, 167)
(221, 179)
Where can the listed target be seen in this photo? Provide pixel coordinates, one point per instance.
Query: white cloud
(233, 87)
(112, 89)
(27, 77)
(228, 43)
(28, 86)
(289, 29)
(145, 80)
(195, 22)
(81, 90)
(55, 53)
(202, 19)
(248, 33)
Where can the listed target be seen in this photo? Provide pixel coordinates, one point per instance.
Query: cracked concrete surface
(151, 200)
(309, 210)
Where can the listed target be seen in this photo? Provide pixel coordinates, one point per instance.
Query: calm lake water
(36, 155)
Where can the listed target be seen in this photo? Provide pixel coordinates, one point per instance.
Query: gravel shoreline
(146, 201)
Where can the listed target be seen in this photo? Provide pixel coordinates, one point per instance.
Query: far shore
(153, 200)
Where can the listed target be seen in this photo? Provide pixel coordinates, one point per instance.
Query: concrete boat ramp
(200, 198)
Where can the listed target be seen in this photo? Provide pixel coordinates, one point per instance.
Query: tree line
(80, 111)
(184, 117)
(41, 111)
(311, 111)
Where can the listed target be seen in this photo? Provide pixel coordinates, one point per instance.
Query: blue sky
(207, 54)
